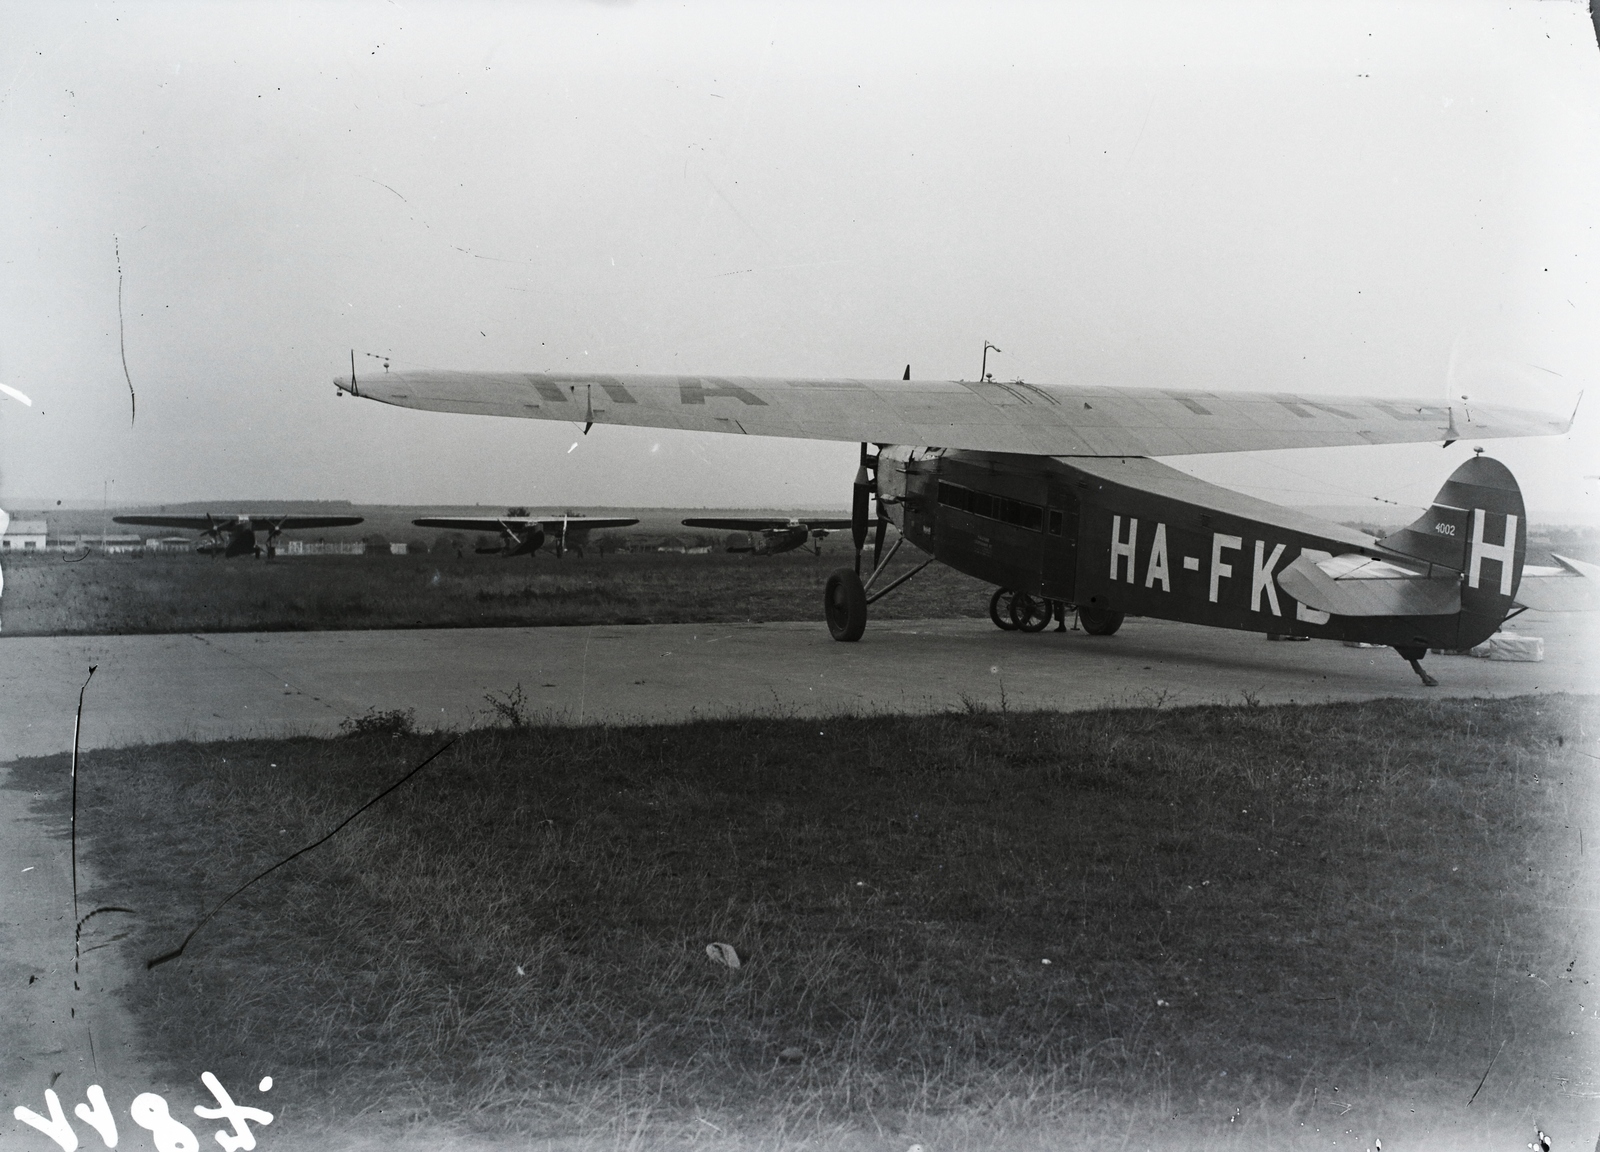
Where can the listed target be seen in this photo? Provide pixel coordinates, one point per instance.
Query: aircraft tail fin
(1479, 527)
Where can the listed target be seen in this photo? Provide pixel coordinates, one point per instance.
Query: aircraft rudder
(1477, 525)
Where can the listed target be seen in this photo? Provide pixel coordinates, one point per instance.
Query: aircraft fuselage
(227, 543)
(772, 541)
(1134, 536)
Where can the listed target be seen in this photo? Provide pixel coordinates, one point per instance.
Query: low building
(24, 536)
(321, 548)
(169, 544)
(117, 544)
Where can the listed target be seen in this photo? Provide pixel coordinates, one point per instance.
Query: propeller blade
(858, 508)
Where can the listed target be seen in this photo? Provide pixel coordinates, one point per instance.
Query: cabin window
(1055, 521)
(991, 507)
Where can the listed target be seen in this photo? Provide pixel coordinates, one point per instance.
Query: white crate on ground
(1511, 646)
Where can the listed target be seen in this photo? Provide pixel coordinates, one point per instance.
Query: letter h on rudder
(1505, 551)
(1119, 549)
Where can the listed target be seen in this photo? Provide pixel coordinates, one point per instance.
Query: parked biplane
(1048, 491)
(772, 535)
(230, 536)
(522, 535)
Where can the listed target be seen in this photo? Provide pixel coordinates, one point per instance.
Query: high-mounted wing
(554, 523)
(1040, 419)
(761, 524)
(307, 521)
(205, 523)
(197, 523)
(473, 523)
(495, 523)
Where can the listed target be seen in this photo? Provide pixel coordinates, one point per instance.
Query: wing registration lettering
(1301, 408)
(1404, 413)
(696, 390)
(1190, 403)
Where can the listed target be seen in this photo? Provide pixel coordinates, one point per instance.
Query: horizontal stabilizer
(1355, 585)
(1573, 587)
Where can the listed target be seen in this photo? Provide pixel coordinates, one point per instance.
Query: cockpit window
(991, 507)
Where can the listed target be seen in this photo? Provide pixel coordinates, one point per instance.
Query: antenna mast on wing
(983, 372)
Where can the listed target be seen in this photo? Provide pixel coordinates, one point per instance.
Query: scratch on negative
(122, 343)
(428, 228)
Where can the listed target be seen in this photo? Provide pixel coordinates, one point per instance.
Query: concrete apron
(223, 685)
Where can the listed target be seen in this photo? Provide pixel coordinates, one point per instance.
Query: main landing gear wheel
(1000, 609)
(1029, 613)
(1099, 621)
(844, 603)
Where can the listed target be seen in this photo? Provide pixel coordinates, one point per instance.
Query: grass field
(1216, 927)
(103, 595)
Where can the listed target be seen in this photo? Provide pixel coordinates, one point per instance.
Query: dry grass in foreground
(1224, 926)
(109, 595)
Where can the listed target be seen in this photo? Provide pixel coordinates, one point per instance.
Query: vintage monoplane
(770, 535)
(522, 535)
(230, 536)
(1049, 491)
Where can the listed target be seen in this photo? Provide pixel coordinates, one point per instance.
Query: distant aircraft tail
(1479, 527)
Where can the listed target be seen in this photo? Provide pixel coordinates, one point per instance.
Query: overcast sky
(1392, 199)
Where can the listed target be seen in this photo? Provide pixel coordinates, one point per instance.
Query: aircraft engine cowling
(891, 482)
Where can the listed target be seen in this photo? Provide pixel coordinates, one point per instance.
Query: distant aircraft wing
(202, 523)
(1573, 587)
(307, 521)
(198, 523)
(1040, 419)
(1356, 585)
(473, 523)
(495, 523)
(554, 523)
(761, 524)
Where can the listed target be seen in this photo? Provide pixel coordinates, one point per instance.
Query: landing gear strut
(1413, 656)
